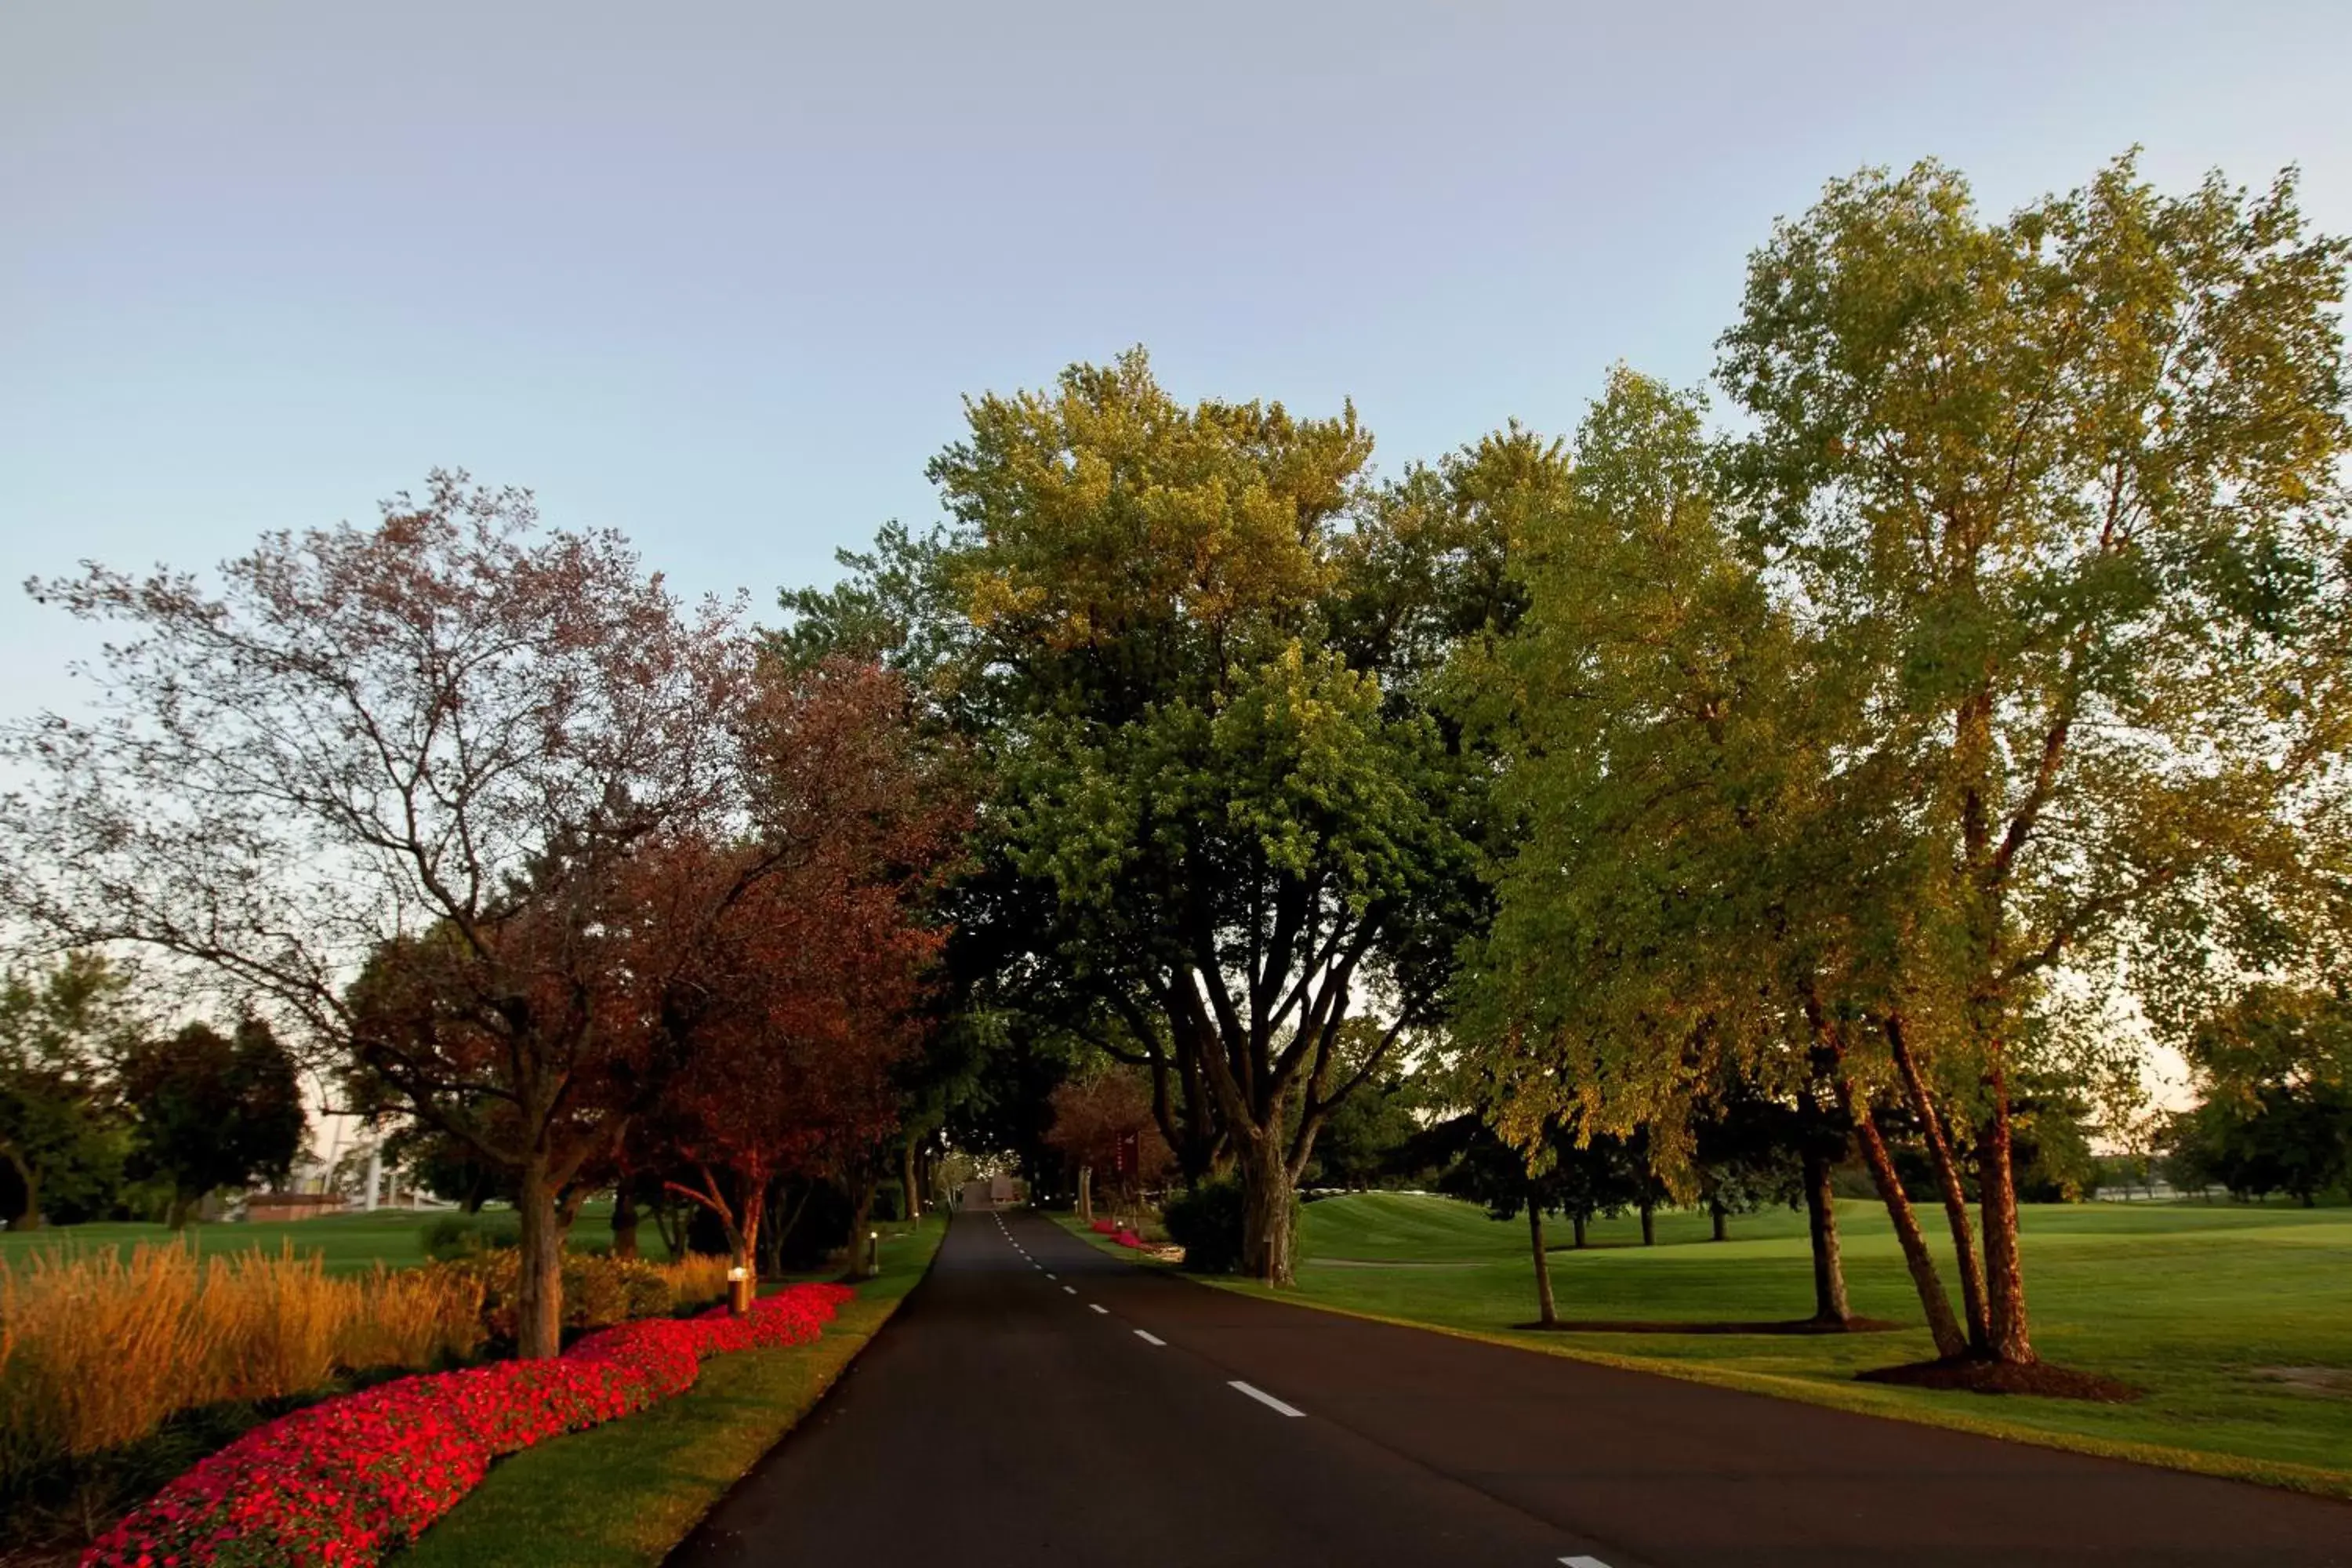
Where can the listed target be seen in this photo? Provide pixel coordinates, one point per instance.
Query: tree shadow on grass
(1645, 1326)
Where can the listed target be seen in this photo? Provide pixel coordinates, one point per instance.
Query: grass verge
(2204, 1308)
(627, 1492)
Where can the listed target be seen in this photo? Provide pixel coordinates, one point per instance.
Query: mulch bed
(1637, 1326)
(2004, 1378)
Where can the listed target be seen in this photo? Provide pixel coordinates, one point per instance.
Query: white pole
(375, 1174)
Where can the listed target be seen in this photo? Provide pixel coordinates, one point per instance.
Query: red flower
(348, 1479)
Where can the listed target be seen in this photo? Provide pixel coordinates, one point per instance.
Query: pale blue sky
(717, 274)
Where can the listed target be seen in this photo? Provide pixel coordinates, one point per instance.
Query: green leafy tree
(2276, 1070)
(1366, 1135)
(1196, 646)
(1664, 763)
(214, 1111)
(2059, 497)
(1585, 1179)
(61, 1152)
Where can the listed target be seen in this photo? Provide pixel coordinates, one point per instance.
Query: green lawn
(2198, 1305)
(627, 1492)
(348, 1242)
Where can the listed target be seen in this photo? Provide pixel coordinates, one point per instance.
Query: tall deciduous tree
(2275, 1070)
(787, 970)
(1097, 1114)
(2060, 497)
(62, 1027)
(1199, 647)
(214, 1110)
(1661, 768)
(424, 750)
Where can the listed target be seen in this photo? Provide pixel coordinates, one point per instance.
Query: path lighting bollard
(873, 1253)
(738, 1290)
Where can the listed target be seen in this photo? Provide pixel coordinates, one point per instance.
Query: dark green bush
(456, 1235)
(1206, 1222)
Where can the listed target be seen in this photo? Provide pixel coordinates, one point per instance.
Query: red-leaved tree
(785, 1020)
(1093, 1116)
(390, 784)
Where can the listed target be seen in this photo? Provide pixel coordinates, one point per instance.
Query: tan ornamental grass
(98, 1350)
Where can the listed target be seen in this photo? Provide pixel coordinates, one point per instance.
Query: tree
(60, 1030)
(2274, 1068)
(383, 784)
(1585, 1181)
(2059, 495)
(1367, 1134)
(1097, 1115)
(1194, 645)
(797, 997)
(1661, 762)
(214, 1111)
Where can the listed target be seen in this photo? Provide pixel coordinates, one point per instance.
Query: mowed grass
(346, 1243)
(623, 1494)
(2219, 1312)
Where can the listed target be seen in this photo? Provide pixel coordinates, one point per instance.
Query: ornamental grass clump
(98, 1350)
(695, 1281)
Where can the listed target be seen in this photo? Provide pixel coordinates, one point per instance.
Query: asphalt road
(1038, 1403)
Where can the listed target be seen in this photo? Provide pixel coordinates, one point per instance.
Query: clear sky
(717, 274)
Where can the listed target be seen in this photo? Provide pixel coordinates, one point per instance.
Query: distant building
(265, 1208)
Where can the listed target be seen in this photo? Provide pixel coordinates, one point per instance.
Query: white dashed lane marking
(1268, 1400)
(1073, 1290)
(1099, 1307)
(1584, 1562)
(1147, 1337)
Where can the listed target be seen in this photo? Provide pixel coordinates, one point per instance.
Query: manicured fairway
(622, 1494)
(2236, 1321)
(352, 1242)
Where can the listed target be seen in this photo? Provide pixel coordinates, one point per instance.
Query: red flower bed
(1128, 1239)
(347, 1479)
(1104, 1227)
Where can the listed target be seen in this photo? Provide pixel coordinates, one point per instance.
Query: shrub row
(598, 1291)
(349, 1480)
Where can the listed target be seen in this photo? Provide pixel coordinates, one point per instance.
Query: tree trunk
(1265, 1208)
(1086, 1195)
(1578, 1221)
(861, 1219)
(1649, 1223)
(624, 1221)
(1950, 1342)
(747, 1246)
(911, 1203)
(538, 1291)
(2007, 1339)
(1548, 1314)
(31, 1182)
(1948, 1181)
(1820, 1220)
(1716, 1213)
